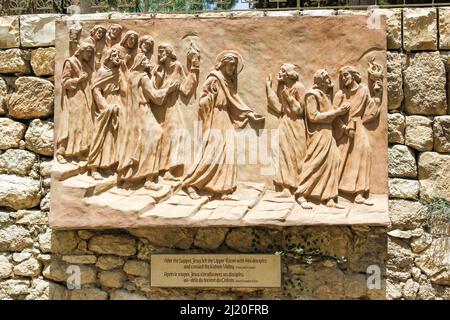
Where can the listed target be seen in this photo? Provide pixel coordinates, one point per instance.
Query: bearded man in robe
(109, 91)
(356, 152)
(319, 178)
(75, 129)
(289, 103)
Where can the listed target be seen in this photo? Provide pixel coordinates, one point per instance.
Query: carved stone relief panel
(219, 121)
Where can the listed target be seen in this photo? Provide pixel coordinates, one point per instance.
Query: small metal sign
(216, 270)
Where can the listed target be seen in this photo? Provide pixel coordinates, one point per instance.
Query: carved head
(74, 32)
(141, 62)
(348, 76)
(146, 44)
(85, 51)
(322, 80)
(130, 40)
(114, 31)
(98, 32)
(113, 57)
(165, 51)
(287, 72)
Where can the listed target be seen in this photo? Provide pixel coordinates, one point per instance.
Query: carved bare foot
(192, 193)
(229, 197)
(303, 203)
(96, 176)
(332, 204)
(359, 199)
(61, 159)
(284, 194)
(171, 177)
(150, 185)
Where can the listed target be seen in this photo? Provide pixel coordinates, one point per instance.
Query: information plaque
(216, 270)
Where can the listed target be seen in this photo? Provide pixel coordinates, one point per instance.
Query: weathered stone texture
(14, 238)
(210, 238)
(3, 94)
(406, 214)
(393, 26)
(444, 28)
(33, 98)
(37, 30)
(15, 61)
(43, 61)
(11, 133)
(18, 162)
(395, 66)
(120, 245)
(419, 133)
(181, 238)
(403, 188)
(39, 137)
(441, 131)
(434, 176)
(419, 29)
(401, 162)
(396, 128)
(19, 192)
(425, 82)
(9, 31)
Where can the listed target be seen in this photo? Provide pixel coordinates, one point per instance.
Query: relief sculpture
(140, 143)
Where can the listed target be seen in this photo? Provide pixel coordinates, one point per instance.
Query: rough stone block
(425, 85)
(395, 67)
(419, 133)
(434, 175)
(396, 128)
(37, 30)
(15, 61)
(401, 162)
(9, 31)
(419, 29)
(441, 131)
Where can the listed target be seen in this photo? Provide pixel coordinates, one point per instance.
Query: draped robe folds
(139, 152)
(356, 154)
(292, 140)
(221, 111)
(75, 130)
(172, 151)
(320, 174)
(103, 152)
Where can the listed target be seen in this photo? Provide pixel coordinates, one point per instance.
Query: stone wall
(412, 254)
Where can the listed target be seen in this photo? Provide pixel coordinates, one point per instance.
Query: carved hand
(255, 116)
(83, 77)
(350, 132)
(173, 86)
(343, 109)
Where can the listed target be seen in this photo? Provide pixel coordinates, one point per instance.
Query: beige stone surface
(3, 93)
(395, 65)
(5, 267)
(33, 98)
(441, 133)
(406, 214)
(43, 61)
(402, 162)
(419, 29)
(19, 192)
(434, 261)
(396, 128)
(425, 85)
(434, 175)
(39, 137)
(109, 262)
(9, 29)
(393, 26)
(17, 162)
(113, 244)
(15, 238)
(444, 28)
(111, 279)
(403, 188)
(37, 30)
(11, 133)
(28, 268)
(137, 268)
(15, 61)
(419, 133)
